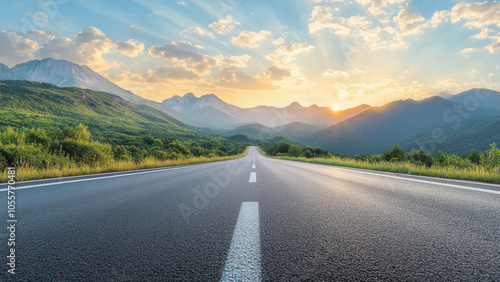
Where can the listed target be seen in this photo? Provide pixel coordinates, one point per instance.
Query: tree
(282, 147)
(295, 151)
(492, 156)
(394, 153)
(474, 156)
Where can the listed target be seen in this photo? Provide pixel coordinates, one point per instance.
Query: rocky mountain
(214, 112)
(205, 111)
(5, 72)
(208, 109)
(313, 115)
(64, 73)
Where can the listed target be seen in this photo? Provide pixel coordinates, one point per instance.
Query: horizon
(328, 53)
(290, 103)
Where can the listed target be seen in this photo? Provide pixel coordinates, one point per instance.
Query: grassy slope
(109, 118)
(41, 105)
(474, 174)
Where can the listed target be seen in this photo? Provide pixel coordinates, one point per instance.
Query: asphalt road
(278, 221)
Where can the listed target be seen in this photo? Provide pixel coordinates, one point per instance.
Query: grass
(475, 173)
(30, 173)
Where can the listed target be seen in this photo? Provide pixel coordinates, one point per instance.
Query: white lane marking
(253, 177)
(427, 182)
(253, 166)
(243, 259)
(422, 181)
(90, 179)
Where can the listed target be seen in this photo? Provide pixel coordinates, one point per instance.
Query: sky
(326, 52)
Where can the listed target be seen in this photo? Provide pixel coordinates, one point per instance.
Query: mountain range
(41, 105)
(205, 111)
(457, 124)
(428, 123)
(454, 123)
(63, 73)
(216, 113)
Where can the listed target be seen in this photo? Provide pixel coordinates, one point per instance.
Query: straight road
(254, 218)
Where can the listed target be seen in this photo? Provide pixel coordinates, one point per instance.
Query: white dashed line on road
(243, 259)
(253, 177)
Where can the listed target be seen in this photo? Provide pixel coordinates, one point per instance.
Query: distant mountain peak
(295, 105)
(207, 108)
(65, 73)
(486, 98)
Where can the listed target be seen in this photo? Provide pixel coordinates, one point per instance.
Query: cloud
(223, 26)
(190, 62)
(182, 3)
(477, 14)
(278, 41)
(294, 48)
(335, 73)
(377, 7)
(87, 47)
(167, 73)
(409, 22)
(274, 73)
(15, 48)
(130, 48)
(438, 18)
(467, 51)
(184, 52)
(250, 39)
(164, 74)
(38, 35)
(358, 28)
(136, 29)
(494, 47)
(321, 18)
(237, 61)
(382, 91)
(480, 15)
(485, 33)
(285, 57)
(197, 31)
(233, 77)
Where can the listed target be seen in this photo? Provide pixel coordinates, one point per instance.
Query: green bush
(87, 152)
(295, 151)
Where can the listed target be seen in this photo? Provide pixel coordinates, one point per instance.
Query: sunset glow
(249, 53)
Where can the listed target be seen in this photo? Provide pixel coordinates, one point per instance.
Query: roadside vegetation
(37, 154)
(475, 166)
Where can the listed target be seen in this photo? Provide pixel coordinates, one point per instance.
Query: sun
(335, 108)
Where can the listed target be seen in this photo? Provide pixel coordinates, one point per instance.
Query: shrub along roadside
(32, 173)
(36, 154)
(486, 172)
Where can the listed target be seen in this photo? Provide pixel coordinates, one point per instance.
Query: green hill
(296, 131)
(46, 106)
(407, 122)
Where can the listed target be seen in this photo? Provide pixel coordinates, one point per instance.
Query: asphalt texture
(317, 223)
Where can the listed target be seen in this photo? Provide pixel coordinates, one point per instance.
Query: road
(254, 218)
